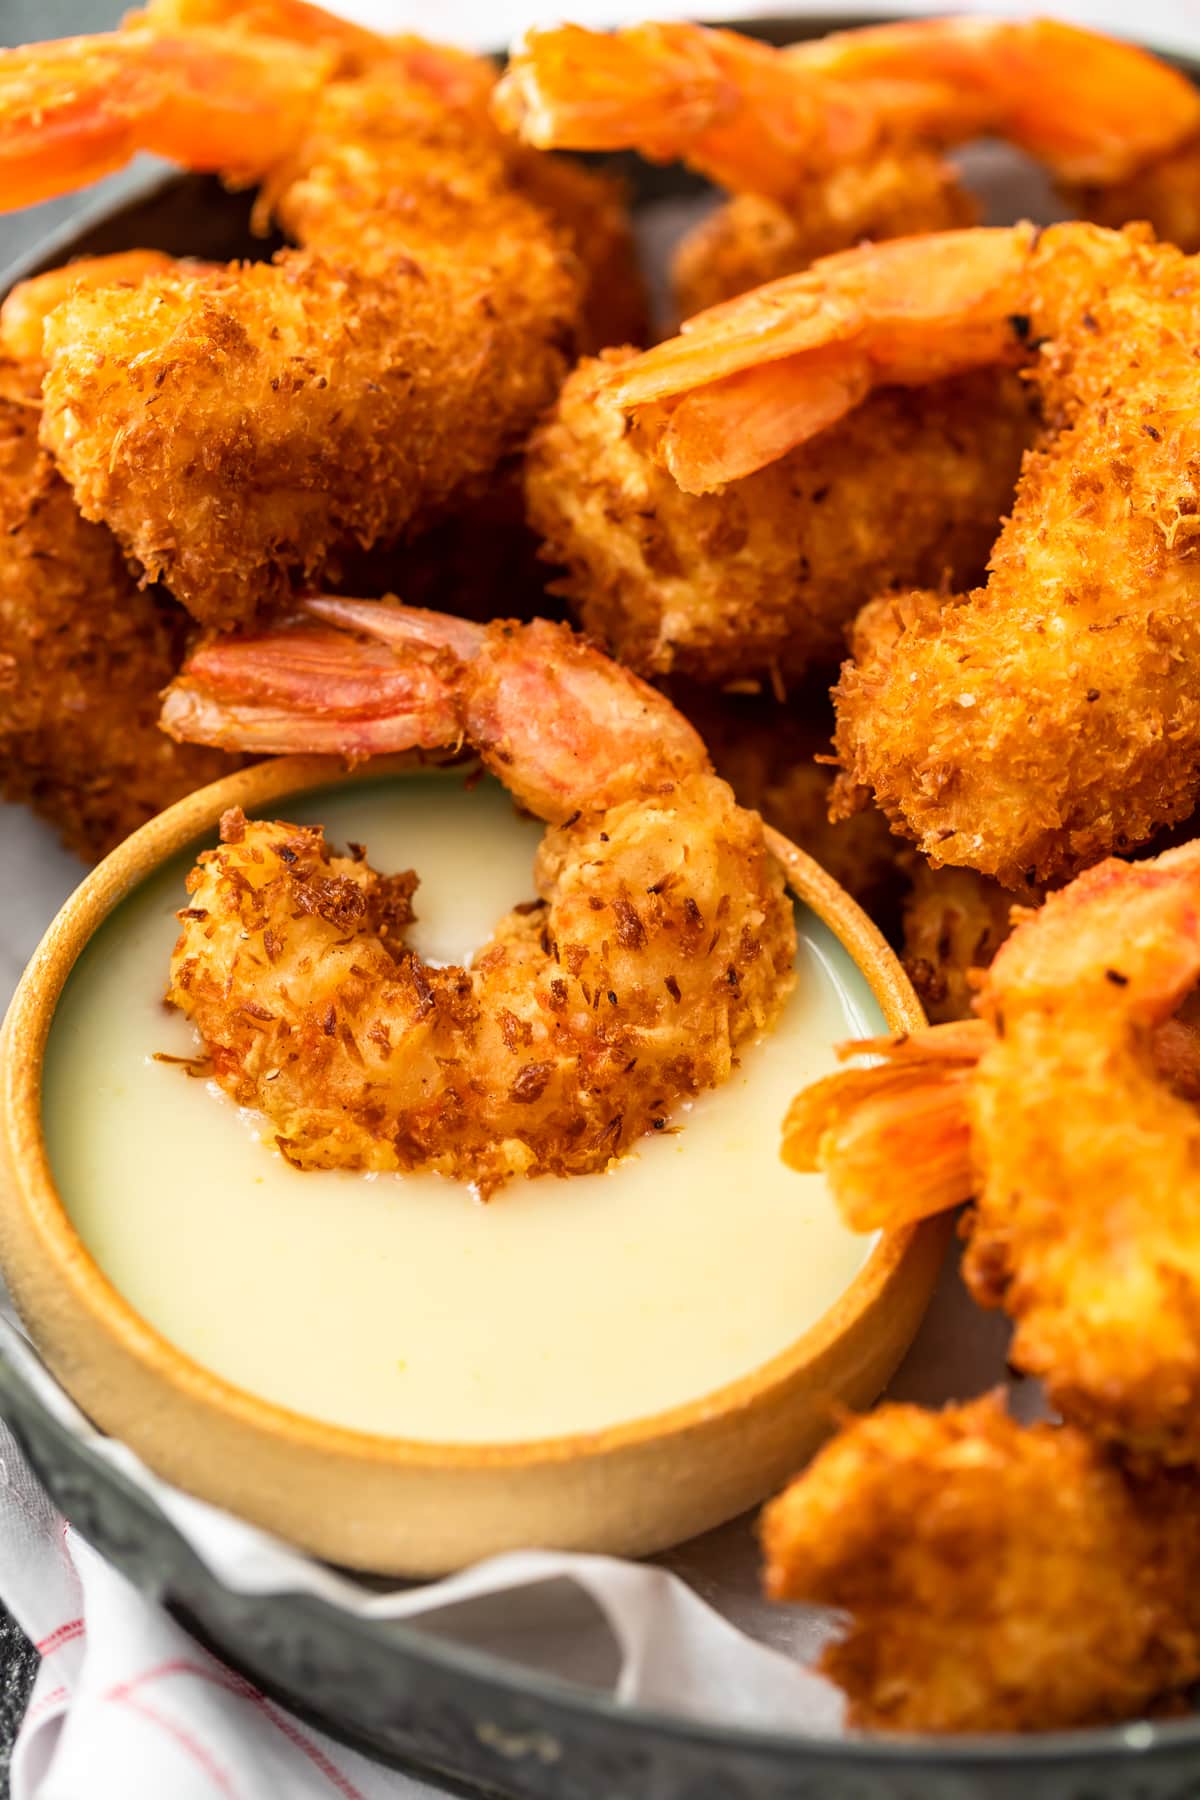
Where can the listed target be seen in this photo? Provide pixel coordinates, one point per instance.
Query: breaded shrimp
(661, 942)
(1049, 718)
(765, 575)
(235, 428)
(996, 1578)
(838, 140)
(84, 654)
(586, 204)
(1067, 1110)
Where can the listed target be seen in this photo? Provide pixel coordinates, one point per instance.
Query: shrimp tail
(750, 379)
(894, 1140)
(316, 689)
(79, 108)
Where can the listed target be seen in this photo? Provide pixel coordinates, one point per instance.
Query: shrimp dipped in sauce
(662, 939)
(1067, 1111)
(234, 427)
(838, 140)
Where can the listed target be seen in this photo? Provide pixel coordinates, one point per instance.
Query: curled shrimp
(236, 428)
(751, 379)
(661, 941)
(1068, 1112)
(830, 142)
(737, 530)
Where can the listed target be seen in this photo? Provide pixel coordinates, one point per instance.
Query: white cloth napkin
(127, 1705)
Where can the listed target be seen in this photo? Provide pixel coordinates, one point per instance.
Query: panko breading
(767, 573)
(235, 427)
(997, 1578)
(1044, 720)
(84, 654)
(751, 240)
(954, 921)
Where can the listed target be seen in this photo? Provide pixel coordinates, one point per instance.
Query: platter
(477, 1723)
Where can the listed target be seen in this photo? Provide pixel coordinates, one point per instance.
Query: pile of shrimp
(660, 943)
(1066, 1113)
(958, 460)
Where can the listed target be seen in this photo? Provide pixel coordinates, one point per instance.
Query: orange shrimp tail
(462, 80)
(732, 108)
(750, 379)
(310, 688)
(79, 108)
(893, 1140)
(1088, 106)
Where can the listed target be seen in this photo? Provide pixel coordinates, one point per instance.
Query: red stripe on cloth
(230, 1683)
(43, 1704)
(65, 1634)
(198, 1752)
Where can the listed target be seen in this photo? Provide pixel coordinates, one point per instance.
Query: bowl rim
(28, 1027)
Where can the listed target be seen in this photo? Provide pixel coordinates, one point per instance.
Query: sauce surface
(401, 1304)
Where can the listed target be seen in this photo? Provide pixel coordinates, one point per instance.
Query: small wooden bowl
(384, 1503)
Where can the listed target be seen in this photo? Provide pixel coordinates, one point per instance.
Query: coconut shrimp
(660, 943)
(1068, 1111)
(761, 578)
(1031, 726)
(839, 140)
(234, 427)
(996, 1578)
(755, 507)
(84, 653)
(586, 205)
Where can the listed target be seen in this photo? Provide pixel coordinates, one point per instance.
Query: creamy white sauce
(401, 1304)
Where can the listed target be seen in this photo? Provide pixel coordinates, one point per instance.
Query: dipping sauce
(401, 1304)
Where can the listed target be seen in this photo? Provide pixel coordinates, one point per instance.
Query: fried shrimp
(839, 140)
(587, 205)
(765, 575)
(234, 427)
(84, 655)
(1068, 1111)
(661, 940)
(1044, 720)
(996, 1578)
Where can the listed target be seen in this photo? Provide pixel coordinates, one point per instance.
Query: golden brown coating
(84, 654)
(766, 750)
(590, 208)
(662, 938)
(751, 239)
(767, 573)
(1067, 1111)
(1166, 192)
(997, 1578)
(1050, 717)
(235, 427)
(661, 941)
(954, 921)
